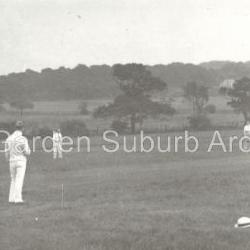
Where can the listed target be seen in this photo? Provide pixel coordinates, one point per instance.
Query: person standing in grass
(16, 151)
(57, 144)
(247, 133)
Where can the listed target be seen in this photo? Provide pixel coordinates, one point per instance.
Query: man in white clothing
(16, 151)
(247, 133)
(57, 144)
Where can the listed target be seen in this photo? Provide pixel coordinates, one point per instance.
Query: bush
(8, 127)
(2, 108)
(35, 130)
(74, 128)
(210, 108)
(84, 108)
(45, 131)
(119, 126)
(199, 122)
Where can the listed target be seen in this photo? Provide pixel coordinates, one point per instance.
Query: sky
(37, 34)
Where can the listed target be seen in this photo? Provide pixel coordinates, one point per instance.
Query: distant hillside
(214, 64)
(82, 82)
(96, 82)
(177, 74)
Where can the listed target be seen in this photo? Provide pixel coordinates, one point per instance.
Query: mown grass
(136, 201)
(51, 114)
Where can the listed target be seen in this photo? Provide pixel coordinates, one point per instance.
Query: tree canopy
(197, 95)
(135, 104)
(239, 96)
(21, 105)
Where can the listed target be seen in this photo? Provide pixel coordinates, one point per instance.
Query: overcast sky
(37, 34)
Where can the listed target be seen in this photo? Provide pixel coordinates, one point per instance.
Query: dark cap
(19, 124)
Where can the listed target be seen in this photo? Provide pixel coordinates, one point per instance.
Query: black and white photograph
(124, 124)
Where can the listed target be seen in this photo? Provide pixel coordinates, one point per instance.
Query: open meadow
(130, 200)
(124, 125)
(52, 113)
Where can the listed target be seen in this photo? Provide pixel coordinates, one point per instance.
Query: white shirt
(16, 147)
(57, 137)
(247, 130)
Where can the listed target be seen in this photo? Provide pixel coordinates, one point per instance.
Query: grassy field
(130, 201)
(51, 114)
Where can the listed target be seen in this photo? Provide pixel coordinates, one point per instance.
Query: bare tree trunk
(132, 123)
(21, 114)
(194, 106)
(245, 117)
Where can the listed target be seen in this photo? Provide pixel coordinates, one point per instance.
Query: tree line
(97, 82)
(137, 84)
(133, 103)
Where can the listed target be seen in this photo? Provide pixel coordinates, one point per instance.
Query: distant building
(227, 84)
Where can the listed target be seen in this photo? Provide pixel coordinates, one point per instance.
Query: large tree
(134, 103)
(239, 96)
(197, 95)
(21, 105)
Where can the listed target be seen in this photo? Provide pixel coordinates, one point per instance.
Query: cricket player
(57, 144)
(247, 133)
(16, 151)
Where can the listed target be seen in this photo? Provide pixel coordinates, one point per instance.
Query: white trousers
(17, 173)
(57, 150)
